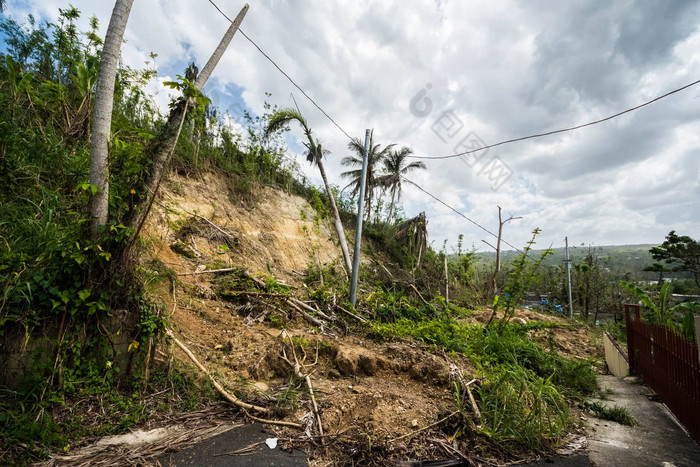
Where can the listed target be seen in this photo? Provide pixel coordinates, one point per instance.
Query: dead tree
(501, 223)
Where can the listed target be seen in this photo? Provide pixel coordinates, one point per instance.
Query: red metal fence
(669, 364)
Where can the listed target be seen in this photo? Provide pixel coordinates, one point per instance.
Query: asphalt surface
(215, 451)
(657, 440)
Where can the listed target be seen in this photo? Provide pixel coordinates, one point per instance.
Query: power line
(284, 73)
(460, 214)
(450, 156)
(539, 135)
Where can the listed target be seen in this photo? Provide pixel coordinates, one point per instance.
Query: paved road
(656, 441)
(212, 452)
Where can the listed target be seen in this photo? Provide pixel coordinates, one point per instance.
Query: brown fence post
(697, 334)
(630, 334)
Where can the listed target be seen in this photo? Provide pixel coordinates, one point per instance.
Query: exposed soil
(378, 392)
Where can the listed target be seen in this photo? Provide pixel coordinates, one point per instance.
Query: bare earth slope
(377, 393)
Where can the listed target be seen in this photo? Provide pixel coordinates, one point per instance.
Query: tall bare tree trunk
(164, 152)
(501, 223)
(102, 115)
(336, 217)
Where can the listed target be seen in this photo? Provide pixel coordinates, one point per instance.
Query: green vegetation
(523, 411)
(59, 289)
(663, 313)
(615, 413)
(680, 253)
(70, 299)
(524, 387)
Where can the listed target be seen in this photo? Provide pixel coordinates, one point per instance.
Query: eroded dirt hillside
(274, 230)
(374, 394)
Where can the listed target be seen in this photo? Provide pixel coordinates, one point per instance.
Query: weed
(522, 410)
(513, 346)
(615, 413)
(287, 399)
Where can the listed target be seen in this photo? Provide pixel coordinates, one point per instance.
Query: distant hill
(621, 259)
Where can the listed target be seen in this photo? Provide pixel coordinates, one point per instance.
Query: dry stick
(408, 435)
(309, 308)
(384, 267)
(452, 450)
(172, 344)
(305, 376)
(250, 449)
(315, 310)
(147, 363)
(227, 395)
(357, 317)
(305, 315)
(207, 271)
(254, 279)
(475, 408)
(245, 292)
(273, 422)
(460, 375)
(228, 234)
(419, 294)
(58, 364)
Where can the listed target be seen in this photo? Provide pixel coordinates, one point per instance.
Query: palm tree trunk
(102, 115)
(164, 152)
(391, 206)
(336, 217)
(220, 49)
(369, 202)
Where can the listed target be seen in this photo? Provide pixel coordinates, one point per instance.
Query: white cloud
(506, 68)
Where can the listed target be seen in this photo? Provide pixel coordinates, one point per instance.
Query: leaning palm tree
(278, 121)
(375, 156)
(395, 168)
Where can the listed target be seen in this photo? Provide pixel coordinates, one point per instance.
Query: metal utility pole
(447, 283)
(568, 276)
(358, 231)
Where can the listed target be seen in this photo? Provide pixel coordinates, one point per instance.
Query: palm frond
(281, 118)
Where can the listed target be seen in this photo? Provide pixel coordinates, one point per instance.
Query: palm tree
(375, 156)
(102, 115)
(278, 121)
(395, 168)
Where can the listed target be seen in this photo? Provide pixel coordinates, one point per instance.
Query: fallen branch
(413, 287)
(227, 234)
(297, 366)
(227, 395)
(207, 271)
(254, 279)
(357, 317)
(245, 292)
(413, 433)
(305, 315)
(250, 449)
(475, 408)
(273, 422)
(309, 308)
(171, 347)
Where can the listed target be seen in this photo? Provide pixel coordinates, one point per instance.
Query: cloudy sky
(445, 76)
